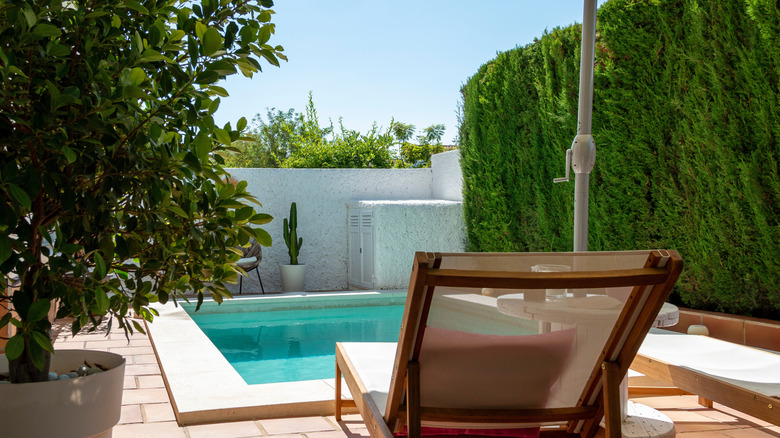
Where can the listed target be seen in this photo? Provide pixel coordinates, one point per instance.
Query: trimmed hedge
(686, 122)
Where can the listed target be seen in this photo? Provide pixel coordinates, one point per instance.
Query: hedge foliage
(687, 127)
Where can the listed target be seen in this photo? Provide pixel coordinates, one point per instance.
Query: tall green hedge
(687, 128)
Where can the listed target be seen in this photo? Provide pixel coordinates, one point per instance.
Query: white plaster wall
(402, 228)
(322, 196)
(447, 176)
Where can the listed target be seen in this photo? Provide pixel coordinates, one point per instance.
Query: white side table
(639, 421)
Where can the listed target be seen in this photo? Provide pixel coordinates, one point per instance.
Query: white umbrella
(582, 155)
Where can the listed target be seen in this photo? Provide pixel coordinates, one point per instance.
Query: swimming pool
(284, 342)
(205, 388)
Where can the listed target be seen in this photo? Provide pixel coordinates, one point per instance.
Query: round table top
(590, 310)
(668, 316)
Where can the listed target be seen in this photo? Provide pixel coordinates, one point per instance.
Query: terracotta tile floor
(147, 412)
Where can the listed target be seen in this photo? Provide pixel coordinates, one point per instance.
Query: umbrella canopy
(582, 155)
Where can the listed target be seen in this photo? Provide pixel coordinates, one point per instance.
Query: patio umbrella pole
(582, 154)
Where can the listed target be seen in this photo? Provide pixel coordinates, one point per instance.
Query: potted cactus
(293, 275)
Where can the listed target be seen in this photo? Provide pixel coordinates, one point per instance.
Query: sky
(369, 61)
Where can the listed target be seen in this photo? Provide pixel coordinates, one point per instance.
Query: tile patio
(147, 411)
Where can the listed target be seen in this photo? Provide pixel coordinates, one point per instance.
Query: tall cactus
(291, 235)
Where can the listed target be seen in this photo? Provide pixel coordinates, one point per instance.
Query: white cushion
(373, 362)
(750, 368)
(246, 261)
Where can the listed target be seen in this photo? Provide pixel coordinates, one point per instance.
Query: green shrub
(686, 127)
(349, 149)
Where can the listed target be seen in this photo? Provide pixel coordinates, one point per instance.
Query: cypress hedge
(686, 123)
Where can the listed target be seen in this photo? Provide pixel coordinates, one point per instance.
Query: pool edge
(191, 395)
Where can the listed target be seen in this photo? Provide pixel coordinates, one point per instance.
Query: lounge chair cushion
(504, 371)
(750, 368)
(374, 361)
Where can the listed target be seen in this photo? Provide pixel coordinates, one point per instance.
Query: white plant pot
(293, 277)
(86, 406)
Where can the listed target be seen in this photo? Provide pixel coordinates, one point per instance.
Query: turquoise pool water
(287, 340)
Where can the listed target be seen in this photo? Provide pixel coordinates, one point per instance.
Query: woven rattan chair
(250, 260)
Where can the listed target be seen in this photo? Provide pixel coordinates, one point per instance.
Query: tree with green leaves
(111, 173)
(432, 134)
(349, 149)
(417, 155)
(269, 144)
(403, 132)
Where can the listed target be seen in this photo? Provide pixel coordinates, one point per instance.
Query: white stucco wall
(402, 228)
(321, 196)
(447, 176)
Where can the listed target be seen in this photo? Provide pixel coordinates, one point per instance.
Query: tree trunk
(23, 370)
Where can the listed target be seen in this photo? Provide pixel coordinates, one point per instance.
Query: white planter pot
(292, 277)
(86, 406)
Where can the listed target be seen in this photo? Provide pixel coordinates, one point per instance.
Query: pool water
(290, 345)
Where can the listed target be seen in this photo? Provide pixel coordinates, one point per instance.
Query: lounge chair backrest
(467, 357)
(503, 371)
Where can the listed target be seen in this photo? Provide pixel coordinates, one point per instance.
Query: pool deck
(147, 410)
(205, 388)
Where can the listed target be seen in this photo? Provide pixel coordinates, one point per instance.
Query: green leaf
(203, 145)
(20, 196)
(261, 218)
(29, 16)
(5, 320)
(269, 57)
(176, 209)
(244, 213)
(70, 154)
(150, 55)
(176, 35)
(138, 326)
(222, 136)
(136, 7)
(134, 92)
(137, 76)
(43, 341)
(38, 311)
(212, 41)
(15, 347)
(192, 161)
(262, 237)
(5, 249)
(102, 301)
(264, 35)
(107, 246)
(246, 69)
(121, 274)
(100, 264)
(207, 77)
(219, 91)
(96, 14)
(223, 67)
(57, 50)
(46, 30)
(241, 124)
(200, 29)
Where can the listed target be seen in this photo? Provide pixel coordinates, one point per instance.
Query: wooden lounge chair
(742, 378)
(462, 366)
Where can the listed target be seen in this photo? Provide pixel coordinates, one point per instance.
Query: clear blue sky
(371, 60)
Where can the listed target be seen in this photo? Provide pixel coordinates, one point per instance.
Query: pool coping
(204, 388)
